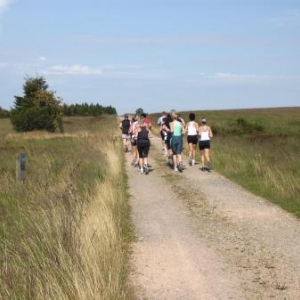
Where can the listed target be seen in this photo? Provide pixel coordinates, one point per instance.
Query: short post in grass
(21, 166)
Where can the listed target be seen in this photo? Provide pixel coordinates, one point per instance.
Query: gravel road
(200, 236)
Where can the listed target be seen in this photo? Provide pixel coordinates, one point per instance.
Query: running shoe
(180, 166)
(176, 169)
(146, 169)
(170, 164)
(142, 170)
(190, 161)
(209, 166)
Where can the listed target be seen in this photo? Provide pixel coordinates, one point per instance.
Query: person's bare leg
(170, 157)
(135, 155)
(141, 165)
(175, 161)
(202, 159)
(207, 157)
(179, 158)
(146, 161)
(190, 153)
(127, 144)
(193, 154)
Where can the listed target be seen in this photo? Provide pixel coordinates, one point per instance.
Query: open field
(65, 230)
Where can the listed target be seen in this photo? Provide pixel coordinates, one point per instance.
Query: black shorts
(143, 147)
(192, 139)
(133, 142)
(204, 145)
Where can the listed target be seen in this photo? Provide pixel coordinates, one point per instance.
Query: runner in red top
(147, 121)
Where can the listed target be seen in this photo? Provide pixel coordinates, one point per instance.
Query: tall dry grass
(64, 231)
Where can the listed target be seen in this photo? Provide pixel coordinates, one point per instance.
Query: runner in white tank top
(205, 135)
(192, 128)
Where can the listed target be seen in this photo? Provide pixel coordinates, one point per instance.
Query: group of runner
(137, 133)
(172, 129)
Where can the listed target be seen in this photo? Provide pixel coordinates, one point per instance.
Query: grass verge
(65, 231)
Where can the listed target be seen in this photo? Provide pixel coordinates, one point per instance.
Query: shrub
(38, 109)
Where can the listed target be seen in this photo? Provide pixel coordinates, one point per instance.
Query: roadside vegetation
(258, 149)
(65, 230)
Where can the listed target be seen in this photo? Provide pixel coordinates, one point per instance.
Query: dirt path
(199, 236)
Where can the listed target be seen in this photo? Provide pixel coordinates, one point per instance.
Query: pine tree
(38, 109)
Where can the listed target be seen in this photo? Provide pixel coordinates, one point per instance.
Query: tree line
(85, 109)
(40, 109)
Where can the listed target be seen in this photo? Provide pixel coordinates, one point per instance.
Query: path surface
(200, 236)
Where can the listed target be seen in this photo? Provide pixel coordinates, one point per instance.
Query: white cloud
(239, 77)
(4, 5)
(109, 71)
(42, 58)
(73, 70)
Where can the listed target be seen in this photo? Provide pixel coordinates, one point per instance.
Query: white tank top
(204, 135)
(192, 128)
(133, 128)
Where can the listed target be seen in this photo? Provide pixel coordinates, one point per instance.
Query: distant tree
(38, 109)
(139, 111)
(4, 113)
(110, 110)
(98, 110)
(85, 109)
(34, 84)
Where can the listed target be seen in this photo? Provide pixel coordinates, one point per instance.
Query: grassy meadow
(258, 149)
(65, 230)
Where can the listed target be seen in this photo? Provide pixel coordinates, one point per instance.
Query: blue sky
(154, 54)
